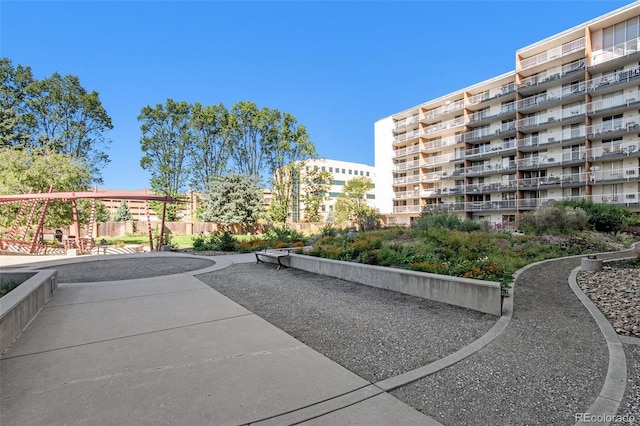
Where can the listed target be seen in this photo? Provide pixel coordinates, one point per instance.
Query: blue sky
(336, 66)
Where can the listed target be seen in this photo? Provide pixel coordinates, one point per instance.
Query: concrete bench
(272, 254)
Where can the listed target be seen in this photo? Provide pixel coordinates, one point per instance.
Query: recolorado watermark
(604, 418)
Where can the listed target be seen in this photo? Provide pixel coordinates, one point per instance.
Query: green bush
(282, 237)
(555, 219)
(215, 242)
(602, 217)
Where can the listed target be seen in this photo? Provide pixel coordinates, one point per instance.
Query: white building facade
(564, 125)
(341, 172)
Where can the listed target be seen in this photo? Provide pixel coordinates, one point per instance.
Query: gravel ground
(127, 269)
(548, 365)
(375, 333)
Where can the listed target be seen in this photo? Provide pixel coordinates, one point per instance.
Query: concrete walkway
(170, 350)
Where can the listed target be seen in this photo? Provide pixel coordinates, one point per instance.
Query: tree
(122, 213)
(55, 114)
(14, 129)
(288, 149)
(250, 135)
(315, 186)
(234, 199)
(23, 171)
(165, 138)
(208, 153)
(352, 201)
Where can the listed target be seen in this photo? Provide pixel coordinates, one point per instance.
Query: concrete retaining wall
(483, 296)
(22, 304)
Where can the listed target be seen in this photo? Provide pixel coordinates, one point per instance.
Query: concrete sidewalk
(171, 350)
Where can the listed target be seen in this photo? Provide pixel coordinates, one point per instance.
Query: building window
(620, 33)
(330, 169)
(367, 173)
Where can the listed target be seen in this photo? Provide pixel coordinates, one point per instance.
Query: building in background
(341, 172)
(564, 125)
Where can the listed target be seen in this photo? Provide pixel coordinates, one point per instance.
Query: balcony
(620, 50)
(552, 54)
(489, 150)
(407, 209)
(485, 169)
(614, 175)
(406, 136)
(559, 180)
(444, 109)
(627, 198)
(438, 127)
(490, 205)
(401, 124)
(407, 165)
(603, 105)
(613, 151)
(612, 128)
(536, 121)
(403, 152)
(442, 142)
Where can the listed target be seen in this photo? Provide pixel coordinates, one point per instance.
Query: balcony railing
(444, 109)
(442, 142)
(605, 80)
(406, 136)
(403, 152)
(458, 121)
(407, 165)
(407, 209)
(490, 149)
(604, 104)
(625, 124)
(617, 51)
(561, 179)
(551, 54)
(620, 174)
(406, 122)
(620, 150)
(536, 120)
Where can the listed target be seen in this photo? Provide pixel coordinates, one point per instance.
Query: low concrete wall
(483, 296)
(22, 304)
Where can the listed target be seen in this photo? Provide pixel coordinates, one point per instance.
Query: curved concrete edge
(608, 401)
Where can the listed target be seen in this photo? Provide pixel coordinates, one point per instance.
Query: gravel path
(375, 333)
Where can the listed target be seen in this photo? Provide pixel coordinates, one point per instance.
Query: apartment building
(565, 124)
(341, 172)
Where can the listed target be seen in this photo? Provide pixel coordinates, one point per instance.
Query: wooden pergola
(35, 204)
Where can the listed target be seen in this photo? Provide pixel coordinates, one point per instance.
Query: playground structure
(34, 206)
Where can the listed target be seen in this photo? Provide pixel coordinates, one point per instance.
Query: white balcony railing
(551, 54)
(625, 124)
(619, 149)
(617, 51)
